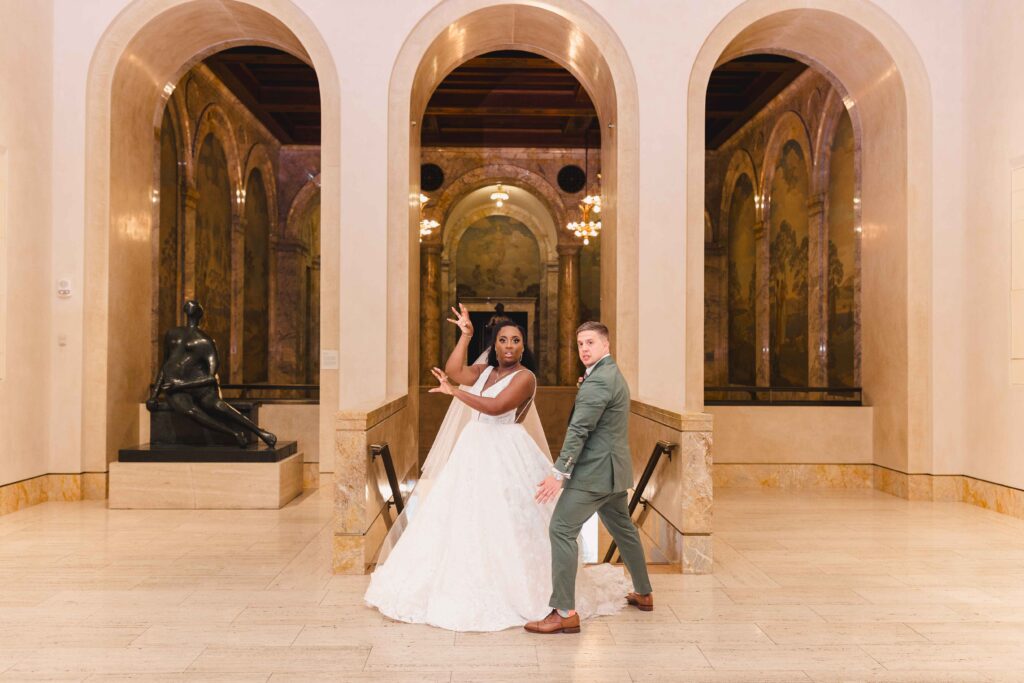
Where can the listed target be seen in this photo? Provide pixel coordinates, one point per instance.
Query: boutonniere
(579, 382)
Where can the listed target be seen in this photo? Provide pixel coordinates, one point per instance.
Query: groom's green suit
(596, 461)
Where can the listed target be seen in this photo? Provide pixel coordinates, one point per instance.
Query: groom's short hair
(593, 326)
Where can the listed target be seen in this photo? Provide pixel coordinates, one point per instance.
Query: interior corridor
(822, 586)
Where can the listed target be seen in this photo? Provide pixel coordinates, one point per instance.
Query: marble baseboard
(945, 488)
(951, 488)
(792, 476)
(42, 489)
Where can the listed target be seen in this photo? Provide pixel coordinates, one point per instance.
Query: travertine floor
(836, 586)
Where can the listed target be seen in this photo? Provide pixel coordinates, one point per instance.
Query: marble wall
(782, 245)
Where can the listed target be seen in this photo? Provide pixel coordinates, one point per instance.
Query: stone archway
(143, 53)
(508, 174)
(878, 68)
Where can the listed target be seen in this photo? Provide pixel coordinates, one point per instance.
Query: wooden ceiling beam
(545, 112)
(767, 86)
(246, 96)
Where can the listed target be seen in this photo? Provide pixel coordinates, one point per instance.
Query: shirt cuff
(559, 475)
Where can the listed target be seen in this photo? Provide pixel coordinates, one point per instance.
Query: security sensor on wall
(64, 289)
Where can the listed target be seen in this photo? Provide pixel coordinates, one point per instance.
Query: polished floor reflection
(830, 586)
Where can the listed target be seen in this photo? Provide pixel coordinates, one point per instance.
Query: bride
(474, 554)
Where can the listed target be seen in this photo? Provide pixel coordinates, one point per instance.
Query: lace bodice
(492, 391)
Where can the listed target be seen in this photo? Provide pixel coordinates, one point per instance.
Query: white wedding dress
(475, 556)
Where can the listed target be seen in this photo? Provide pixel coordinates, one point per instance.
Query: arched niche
(570, 33)
(741, 281)
(788, 243)
(167, 245)
(256, 220)
(299, 252)
(143, 53)
(888, 96)
(215, 208)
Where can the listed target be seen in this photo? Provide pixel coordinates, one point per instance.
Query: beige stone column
(677, 518)
(430, 309)
(568, 312)
(190, 200)
(362, 516)
(817, 293)
(762, 301)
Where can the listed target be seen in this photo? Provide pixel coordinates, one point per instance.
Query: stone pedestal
(205, 485)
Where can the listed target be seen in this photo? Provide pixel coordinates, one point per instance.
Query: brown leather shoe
(554, 623)
(644, 603)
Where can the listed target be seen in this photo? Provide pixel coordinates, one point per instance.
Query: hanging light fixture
(589, 225)
(499, 197)
(427, 225)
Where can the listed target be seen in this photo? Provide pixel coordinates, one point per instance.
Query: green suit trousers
(573, 509)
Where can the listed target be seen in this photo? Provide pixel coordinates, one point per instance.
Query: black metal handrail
(772, 395)
(662, 447)
(383, 451)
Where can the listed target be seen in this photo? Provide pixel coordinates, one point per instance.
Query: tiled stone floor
(829, 586)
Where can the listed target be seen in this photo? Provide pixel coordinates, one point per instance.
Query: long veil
(451, 427)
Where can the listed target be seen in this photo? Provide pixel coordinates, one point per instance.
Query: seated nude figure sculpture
(188, 379)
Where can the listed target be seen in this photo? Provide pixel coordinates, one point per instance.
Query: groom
(593, 472)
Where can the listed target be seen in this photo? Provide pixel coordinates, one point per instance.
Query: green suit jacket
(596, 454)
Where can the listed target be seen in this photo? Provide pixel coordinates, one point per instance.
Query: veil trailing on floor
(455, 420)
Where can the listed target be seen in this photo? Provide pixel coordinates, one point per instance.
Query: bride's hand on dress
(445, 386)
(462, 320)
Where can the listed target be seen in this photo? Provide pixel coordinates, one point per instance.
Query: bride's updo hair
(495, 326)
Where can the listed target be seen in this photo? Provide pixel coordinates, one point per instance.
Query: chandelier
(427, 226)
(587, 227)
(499, 197)
(589, 224)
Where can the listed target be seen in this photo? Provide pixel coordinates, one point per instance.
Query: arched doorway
(445, 37)
(884, 87)
(142, 57)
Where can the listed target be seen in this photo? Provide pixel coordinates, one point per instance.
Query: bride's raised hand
(445, 386)
(462, 320)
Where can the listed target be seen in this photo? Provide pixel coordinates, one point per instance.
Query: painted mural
(498, 257)
(842, 257)
(213, 246)
(742, 285)
(256, 319)
(169, 298)
(788, 269)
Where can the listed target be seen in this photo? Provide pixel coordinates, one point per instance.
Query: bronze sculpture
(188, 379)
